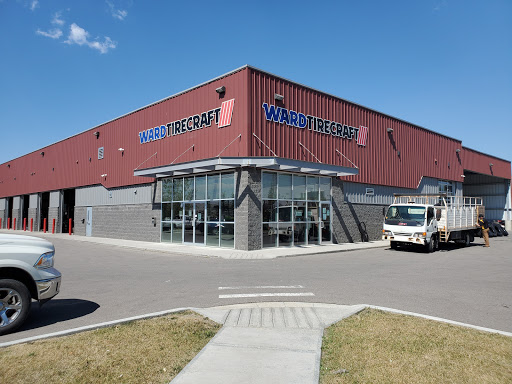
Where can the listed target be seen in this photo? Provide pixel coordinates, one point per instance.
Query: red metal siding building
(265, 122)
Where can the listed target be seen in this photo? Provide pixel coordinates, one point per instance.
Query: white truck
(26, 274)
(427, 220)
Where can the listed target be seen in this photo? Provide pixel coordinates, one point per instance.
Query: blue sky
(67, 66)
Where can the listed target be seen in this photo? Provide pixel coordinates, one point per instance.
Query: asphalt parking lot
(104, 282)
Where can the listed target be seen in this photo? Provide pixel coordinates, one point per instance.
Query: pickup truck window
(405, 215)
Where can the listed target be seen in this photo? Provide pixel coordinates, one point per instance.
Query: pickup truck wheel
(15, 304)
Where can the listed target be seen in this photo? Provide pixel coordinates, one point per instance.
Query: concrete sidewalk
(224, 253)
(264, 343)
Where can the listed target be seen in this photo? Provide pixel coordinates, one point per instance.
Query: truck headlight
(387, 233)
(420, 234)
(45, 261)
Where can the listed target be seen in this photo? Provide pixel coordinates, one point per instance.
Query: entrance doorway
(68, 210)
(25, 204)
(194, 223)
(44, 208)
(9, 213)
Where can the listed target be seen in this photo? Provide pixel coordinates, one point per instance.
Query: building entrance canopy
(224, 163)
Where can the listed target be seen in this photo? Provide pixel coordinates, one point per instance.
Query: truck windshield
(405, 215)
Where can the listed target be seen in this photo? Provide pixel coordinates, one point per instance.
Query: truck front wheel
(15, 304)
(394, 244)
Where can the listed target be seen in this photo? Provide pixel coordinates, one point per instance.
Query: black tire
(15, 302)
(505, 232)
(436, 244)
(492, 232)
(499, 229)
(430, 246)
(393, 244)
(467, 239)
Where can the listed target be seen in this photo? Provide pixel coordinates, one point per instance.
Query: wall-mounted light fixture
(42, 153)
(457, 150)
(8, 165)
(390, 130)
(398, 153)
(104, 175)
(278, 97)
(97, 134)
(220, 89)
(120, 149)
(462, 175)
(491, 164)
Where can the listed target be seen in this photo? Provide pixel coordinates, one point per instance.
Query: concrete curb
(262, 305)
(439, 319)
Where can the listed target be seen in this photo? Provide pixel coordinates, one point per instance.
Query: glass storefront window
(269, 186)
(213, 187)
(227, 186)
(269, 235)
(227, 235)
(167, 190)
(212, 211)
(166, 232)
(177, 189)
(177, 211)
(285, 210)
(227, 210)
(201, 188)
(325, 189)
(177, 231)
(188, 187)
(269, 210)
(166, 211)
(301, 213)
(212, 234)
(188, 218)
(284, 186)
(312, 188)
(299, 187)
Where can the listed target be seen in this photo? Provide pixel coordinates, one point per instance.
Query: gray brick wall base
(354, 222)
(130, 222)
(34, 216)
(16, 213)
(53, 213)
(2, 216)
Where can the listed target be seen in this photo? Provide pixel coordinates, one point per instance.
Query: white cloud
(34, 4)
(57, 20)
(52, 33)
(80, 36)
(119, 14)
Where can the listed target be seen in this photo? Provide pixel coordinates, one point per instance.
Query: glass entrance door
(199, 224)
(193, 223)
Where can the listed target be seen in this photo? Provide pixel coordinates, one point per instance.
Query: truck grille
(402, 234)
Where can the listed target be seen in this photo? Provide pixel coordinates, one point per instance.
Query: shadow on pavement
(56, 311)
(443, 247)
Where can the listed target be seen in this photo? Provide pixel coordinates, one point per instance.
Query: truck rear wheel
(15, 304)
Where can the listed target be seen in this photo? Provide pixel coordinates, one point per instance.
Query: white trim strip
(264, 287)
(241, 295)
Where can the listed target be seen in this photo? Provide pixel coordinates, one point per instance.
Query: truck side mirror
(438, 214)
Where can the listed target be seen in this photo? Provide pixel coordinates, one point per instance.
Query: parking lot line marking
(241, 295)
(264, 287)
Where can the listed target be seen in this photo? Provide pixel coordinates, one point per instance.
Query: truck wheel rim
(10, 306)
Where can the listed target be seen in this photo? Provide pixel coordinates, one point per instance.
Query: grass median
(382, 347)
(145, 351)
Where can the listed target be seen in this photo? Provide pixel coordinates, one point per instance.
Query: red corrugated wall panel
(422, 152)
(480, 163)
(66, 164)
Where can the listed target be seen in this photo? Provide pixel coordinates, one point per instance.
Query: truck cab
(411, 223)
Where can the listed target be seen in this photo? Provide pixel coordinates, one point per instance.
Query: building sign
(294, 119)
(221, 116)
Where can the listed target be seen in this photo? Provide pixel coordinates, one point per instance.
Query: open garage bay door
(495, 192)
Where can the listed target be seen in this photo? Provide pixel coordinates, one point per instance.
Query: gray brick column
(248, 209)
